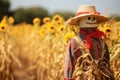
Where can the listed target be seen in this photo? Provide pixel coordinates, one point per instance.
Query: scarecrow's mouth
(90, 23)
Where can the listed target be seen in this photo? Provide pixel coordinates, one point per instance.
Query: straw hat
(86, 10)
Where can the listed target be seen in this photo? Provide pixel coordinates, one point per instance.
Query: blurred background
(33, 37)
(26, 10)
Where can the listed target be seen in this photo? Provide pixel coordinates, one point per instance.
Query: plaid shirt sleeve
(70, 59)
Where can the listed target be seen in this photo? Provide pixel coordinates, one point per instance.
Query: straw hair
(86, 10)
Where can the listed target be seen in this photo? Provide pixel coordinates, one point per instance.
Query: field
(36, 51)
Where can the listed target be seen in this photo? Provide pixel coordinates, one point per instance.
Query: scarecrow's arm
(106, 55)
(107, 52)
(70, 59)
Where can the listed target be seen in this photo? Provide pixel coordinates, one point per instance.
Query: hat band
(98, 13)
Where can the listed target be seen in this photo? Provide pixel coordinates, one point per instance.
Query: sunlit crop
(36, 51)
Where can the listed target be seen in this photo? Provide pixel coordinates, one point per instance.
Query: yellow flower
(68, 36)
(11, 20)
(51, 28)
(57, 20)
(60, 28)
(56, 17)
(3, 24)
(46, 20)
(42, 32)
(3, 27)
(36, 21)
(107, 28)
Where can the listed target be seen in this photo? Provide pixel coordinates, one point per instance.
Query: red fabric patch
(95, 34)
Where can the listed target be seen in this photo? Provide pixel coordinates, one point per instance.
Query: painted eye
(94, 18)
(89, 18)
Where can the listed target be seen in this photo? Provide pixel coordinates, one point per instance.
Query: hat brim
(75, 20)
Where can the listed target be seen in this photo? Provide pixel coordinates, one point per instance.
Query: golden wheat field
(36, 51)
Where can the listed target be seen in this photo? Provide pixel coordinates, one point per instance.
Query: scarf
(96, 34)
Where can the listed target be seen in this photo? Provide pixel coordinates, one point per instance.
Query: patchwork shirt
(73, 52)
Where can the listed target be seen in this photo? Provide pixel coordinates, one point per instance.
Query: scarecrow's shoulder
(74, 41)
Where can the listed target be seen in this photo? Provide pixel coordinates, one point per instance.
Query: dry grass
(24, 55)
(89, 69)
(29, 58)
(115, 61)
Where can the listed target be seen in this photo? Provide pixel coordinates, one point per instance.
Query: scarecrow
(98, 66)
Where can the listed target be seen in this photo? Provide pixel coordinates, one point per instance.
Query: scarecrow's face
(88, 22)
